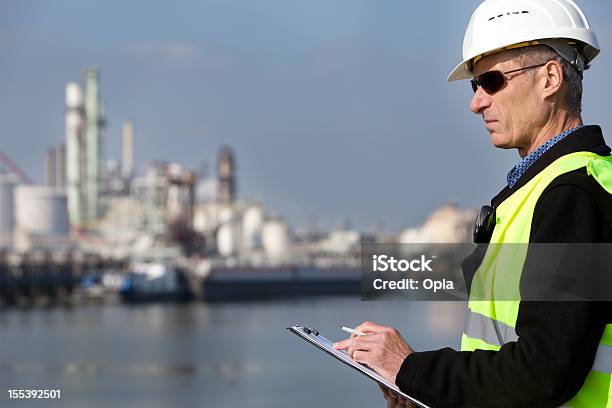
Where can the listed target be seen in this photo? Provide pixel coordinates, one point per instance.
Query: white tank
(412, 236)
(252, 224)
(74, 95)
(200, 220)
(276, 238)
(206, 218)
(41, 210)
(7, 208)
(225, 214)
(228, 239)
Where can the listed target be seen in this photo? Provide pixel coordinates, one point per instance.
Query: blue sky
(336, 109)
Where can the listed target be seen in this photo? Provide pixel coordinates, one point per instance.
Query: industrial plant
(99, 230)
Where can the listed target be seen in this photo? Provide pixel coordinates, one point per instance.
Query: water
(198, 355)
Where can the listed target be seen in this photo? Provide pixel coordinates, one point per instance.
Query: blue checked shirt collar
(517, 171)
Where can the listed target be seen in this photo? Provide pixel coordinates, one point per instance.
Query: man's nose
(480, 101)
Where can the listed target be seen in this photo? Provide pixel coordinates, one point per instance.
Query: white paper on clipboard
(316, 339)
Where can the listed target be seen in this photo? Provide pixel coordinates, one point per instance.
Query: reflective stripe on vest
(489, 330)
(497, 334)
(603, 359)
(490, 324)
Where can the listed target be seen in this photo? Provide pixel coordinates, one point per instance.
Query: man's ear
(553, 78)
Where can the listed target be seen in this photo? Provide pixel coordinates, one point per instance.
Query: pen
(352, 331)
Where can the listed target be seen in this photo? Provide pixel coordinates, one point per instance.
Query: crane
(13, 168)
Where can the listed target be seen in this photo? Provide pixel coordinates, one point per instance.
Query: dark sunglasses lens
(492, 81)
(474, 85)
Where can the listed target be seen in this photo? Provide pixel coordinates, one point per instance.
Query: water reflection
(219, 356)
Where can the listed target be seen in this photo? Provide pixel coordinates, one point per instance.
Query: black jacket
(558, 340)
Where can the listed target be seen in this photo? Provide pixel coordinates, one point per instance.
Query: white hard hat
(503, 24)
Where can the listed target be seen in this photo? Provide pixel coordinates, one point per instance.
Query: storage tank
(201, 220)
(208, 217)
(7, 209)
(252, 224)
(228, 239)
(40, 210)
(225, 213)
(276, 238)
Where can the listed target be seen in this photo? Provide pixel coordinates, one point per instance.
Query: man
(527, 60)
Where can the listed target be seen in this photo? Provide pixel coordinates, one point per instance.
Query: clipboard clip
(308, 330)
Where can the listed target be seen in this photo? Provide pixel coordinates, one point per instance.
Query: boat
(154, 279)
(243, 283)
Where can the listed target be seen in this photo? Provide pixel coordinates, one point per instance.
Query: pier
(42, 277)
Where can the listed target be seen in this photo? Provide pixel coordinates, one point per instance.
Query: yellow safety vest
(491, 323)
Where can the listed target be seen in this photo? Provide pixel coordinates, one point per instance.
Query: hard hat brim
(464, 71)
(461, 71)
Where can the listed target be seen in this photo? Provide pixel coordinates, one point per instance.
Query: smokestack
(50, 167)
(226, 181)
(75, 152)
(127, 161)
(93, 123)
(61, 165)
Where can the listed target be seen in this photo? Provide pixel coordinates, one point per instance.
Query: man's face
(513, 113)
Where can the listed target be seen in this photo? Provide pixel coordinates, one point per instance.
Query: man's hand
(394, 400)
(382, 349)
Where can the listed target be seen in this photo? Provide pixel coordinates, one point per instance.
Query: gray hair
(537, 54)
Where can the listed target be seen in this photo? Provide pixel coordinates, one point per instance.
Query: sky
(337, 110)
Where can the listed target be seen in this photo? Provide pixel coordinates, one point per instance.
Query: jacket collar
(586, 138)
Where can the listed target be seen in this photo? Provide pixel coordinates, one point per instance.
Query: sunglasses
(493, 81)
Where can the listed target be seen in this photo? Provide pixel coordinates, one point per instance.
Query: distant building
(447, 224)
(159, 203)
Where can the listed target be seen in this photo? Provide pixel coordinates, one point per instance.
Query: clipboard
(316, 339)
